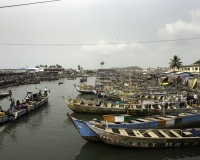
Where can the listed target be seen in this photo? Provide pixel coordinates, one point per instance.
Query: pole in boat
(106, 124)
(163, 107)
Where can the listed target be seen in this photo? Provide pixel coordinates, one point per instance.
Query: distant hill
(127, 68)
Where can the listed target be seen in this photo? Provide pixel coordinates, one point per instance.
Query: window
(188, 69)
(196, 68)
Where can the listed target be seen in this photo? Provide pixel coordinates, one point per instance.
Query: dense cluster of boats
(139, 111)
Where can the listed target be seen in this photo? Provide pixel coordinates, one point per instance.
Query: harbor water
(47, 134)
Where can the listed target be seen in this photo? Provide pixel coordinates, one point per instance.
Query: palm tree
(102, 63)
(175, 62)
(79, 67)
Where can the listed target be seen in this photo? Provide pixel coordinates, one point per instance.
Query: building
(193, 69)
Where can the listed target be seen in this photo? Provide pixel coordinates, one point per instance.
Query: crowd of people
(23, 104)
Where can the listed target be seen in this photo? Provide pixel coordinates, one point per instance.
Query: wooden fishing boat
(84, 89)
(147, 138)
(35, 102)
(2, 95)
(83, 79)
(182, 120)
(109, 107)
(115, 94)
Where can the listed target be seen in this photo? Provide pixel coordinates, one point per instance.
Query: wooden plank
(123, 132)
(164, 118)
(164, 134)
(102, 105)
(152, 134)
(109, 105)
(172, 116)
(143, 120)
(109, 130)
(187, 133)
(137, 133)
(152, 119)
(176, 134)
(134, 121)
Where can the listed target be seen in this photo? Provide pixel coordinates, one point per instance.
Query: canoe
(83, 79)
(2, 95)
(84, 89)
(33, 104)
(147, 138)
(109, 107)
(182, 120)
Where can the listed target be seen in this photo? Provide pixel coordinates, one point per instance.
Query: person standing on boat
(195, 100)
(12, 102)
(45, 91)
(27, 98)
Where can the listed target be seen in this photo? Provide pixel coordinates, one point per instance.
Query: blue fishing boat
(181, 120)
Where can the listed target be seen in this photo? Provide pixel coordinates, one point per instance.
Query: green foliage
(175, 62)
(89, 71)
(51, 66)
(197, 62)
(79, 67)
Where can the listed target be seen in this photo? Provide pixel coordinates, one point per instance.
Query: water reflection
(90, 151)
(9, 130)
(80, 96)
(31, 121)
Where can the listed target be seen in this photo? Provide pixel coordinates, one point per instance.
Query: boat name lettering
(143, 125)
(139, 144)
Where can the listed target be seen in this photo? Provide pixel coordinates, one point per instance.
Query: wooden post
(163, 107)
(127, 111)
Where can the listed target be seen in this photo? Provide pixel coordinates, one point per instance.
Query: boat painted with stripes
(147, 138)
(181, 120)
(110, 107)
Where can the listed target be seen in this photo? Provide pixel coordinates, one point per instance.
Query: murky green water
(47, 134)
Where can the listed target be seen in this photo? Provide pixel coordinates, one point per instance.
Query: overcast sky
(93, 31)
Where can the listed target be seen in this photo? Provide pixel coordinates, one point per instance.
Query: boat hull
(182, 121)
(84, 131)
(21, 112)
(143, 142)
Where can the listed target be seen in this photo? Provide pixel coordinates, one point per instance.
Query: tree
(79, 67)
(197, 62)
(175, 62)
(102, 63)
